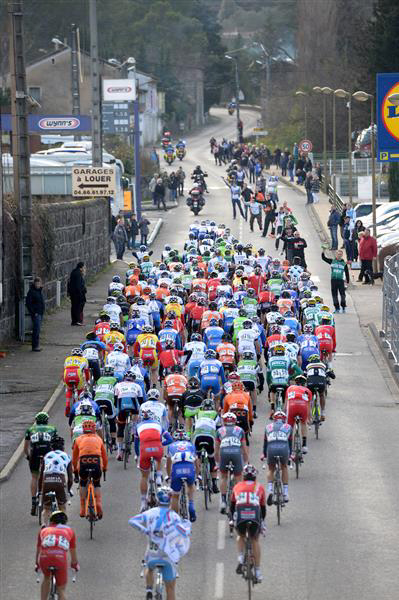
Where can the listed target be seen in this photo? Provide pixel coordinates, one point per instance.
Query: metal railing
(337, 200)
(390, 308)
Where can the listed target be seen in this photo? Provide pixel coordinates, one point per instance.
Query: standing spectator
(35, 306)
(367, 253)
(216, 150)
(290, 167)
(295, 151)
(308, 187)
(284, 164)
(181, 177)
(76, 291)
(154, 157)
(359, 227)
(347, 235)
(288, 240)
(339, 272)
(128, 227)
(159, 194)
(235, 192)
(144, 229)
(308, 166)
(251, 169)
(315, 188)
(258, 169)
(318, 170)
(246, 194)
(269, 209)
(279, 222)
(298, 248)
(255, 210)
(134, 231)
(119, 238)
(240, 176)
(332, 224)
(173, 184)
(151, 186)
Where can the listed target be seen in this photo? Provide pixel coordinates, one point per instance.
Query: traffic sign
(305, 146)
(94, 182)
(260, 131)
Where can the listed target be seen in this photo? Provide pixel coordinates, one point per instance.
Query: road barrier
(390, 308)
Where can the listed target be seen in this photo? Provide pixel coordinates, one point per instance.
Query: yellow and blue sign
(388, 117)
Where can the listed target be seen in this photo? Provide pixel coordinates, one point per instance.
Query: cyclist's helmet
(111, 300)
(76, 352)
(116, 279)
(285, 294)
(229, 418)
(280, 320)
(307, 294)
(274, 308)
(308, 328)
(242, 312)
(313, 358)
(86, 395)
(118, 347)
(41, 418)
(248, 355)
(180, 434)
(130, 376)
(274, 329)
(325, 308)
(89, 426)
(163, 496)
(251, 292)
(210, 353)
(290, 336)
(226, 337)
(86, 409)
(249, 473)
(279, 415)
(213, 322)
(247, 324)
(58, 443)
(311, 302)
(194, 382)
(114, 326)
(153, 394)
(300, 380)
(318, 299)
(279, 350)
(208, 404)
(58, 517)
(195, 337)
(326, 320)
(177, 369)
(148, 329)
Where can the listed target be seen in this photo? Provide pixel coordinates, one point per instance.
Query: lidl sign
(388, 117)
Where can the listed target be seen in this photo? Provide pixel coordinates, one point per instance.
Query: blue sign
(388, 117)
(51, 123)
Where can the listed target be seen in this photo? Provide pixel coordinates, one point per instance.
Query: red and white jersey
(326, 334)
(58, 538)
(249, 493)
(149, 430)
(298, 393)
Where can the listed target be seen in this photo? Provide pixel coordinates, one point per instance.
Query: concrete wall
(63, 234)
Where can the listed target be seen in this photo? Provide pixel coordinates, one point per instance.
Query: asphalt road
(339, 533)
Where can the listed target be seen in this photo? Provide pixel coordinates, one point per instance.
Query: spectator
(134, 231)
(35, 306)
(315, 188)
(332, 224)
(308, 187)
(308, 166)
(246, 195)
(144, 229)
(295, 151)
(284, 164)
(255, 210)
(342, 221)
(235, 192)
(269, 208)
(180, 174)
(279, 223)
(151, 186)
(128, 227)
(173, 184)
(339, 272)
(154, 157)
(359, 227)
(251, 169)
(288, 239)
(301, 175)
(298, 248)
(76, 291)
(367, 252)
(347, 235)
(159, 193)
(290, 166)
(120, 239)
(318, 170)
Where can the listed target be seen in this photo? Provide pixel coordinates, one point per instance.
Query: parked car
(363, 209)
(383, 209)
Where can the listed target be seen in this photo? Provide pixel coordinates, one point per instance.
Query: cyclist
(129, 396)
(278, 372)
(205, 435)
(175, 386)
(119, 361)
(212, 374)
(238, 401)
(297, 403)
(181, 465)
(55, 474)
(325, 333)
(316, 380)
(247, 339)
(231, 446)
(192, 400)
(276, 444)
(213, 334)
(249, 372)
(76, 375)
(198, 349)
(85, 409)
(105, 399)
(148, 347)
(115, 336)
(38, 439)
(169, 541)
(89, 454)
(157, 408)
(151, 436)
(53, 544)
(248, 505)
(226, 353)
(308, 344)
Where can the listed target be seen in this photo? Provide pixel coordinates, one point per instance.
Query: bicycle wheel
(209, 481)
(159, 585)
(183, 502)
(278, 496)
(248, 566)
(204, 475)
(297, 453)
(126, 441)
(39, 507)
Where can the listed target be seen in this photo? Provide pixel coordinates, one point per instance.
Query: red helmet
(279, 415)
(89, 426)
(229, 418)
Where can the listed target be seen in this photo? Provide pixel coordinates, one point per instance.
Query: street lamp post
(305, 108)
(317, 89)
(237, 80)
(363, 97)
(327, 91)
(340, 93)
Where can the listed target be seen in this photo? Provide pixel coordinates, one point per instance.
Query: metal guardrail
(390, 308)
(335, 199)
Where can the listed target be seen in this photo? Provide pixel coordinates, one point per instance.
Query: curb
(17, 454)
(155, 232)
(379, 340)
(151, 208)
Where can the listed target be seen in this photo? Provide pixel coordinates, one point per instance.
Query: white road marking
(221, 534)
(219, 580)
(315, 278)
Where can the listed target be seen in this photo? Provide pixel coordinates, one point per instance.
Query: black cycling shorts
(316, 384)
(90, 466)
(249, 386)
(248, 518)
(36, 453)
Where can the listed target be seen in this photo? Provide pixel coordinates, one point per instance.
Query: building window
(35, 92)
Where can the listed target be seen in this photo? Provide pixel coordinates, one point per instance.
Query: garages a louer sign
(94, 182)
(115, 90)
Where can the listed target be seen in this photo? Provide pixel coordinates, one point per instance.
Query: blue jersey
(238, 297)
(182, 451)
(133, 329)
(213, 336)
(262, 334)
(211, 369)
(308, 343)
(293, 324)
(168, 333)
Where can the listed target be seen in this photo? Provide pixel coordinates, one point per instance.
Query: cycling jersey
(56, 461)
(226, 353)
(175, 385)
(158, 409)
(169, 334)
(213, 336)
(128, 395)
(278, 371)
(53, 544)
(148, 347)
(120, 362)
(88, 446)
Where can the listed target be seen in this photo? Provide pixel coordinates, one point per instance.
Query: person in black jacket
(298, 249)
(35, 306)
(77, 293)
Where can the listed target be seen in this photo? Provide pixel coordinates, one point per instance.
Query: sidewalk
(29, 379)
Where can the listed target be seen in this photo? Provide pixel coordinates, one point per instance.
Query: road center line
(221, 534)
(219, 580)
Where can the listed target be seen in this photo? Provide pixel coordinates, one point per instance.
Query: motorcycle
(230, 111)
(180, 153)
(165, 142)
(199, 181)
(169, 157)
(195, 201)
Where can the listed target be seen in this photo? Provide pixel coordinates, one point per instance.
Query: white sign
(260, 131)
(115, 90)
(364, 187)
(95, 182)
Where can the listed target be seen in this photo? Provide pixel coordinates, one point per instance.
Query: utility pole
(136, 133)
(96, 143)
(75, 74)
(238, 102)
(21, 156)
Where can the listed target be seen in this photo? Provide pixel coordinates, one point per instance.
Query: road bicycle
(106, 431)
(316, 413)
(127, 439)
(159, 587)
(297, 445)
(152, 485)
(278, 496)
(279, 398)
(53, 594)
(206, 477)
(183, 500)
(91, 505)
(230, 486)
(248, 567)
(39, 497)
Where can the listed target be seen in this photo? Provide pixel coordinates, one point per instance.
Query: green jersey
(322, 314)
(250, 305)
(310, 314)
(278, 370)
(40, 437)
(205, 423)
(186, 281)
(275, 286)
(248, 370)
(237, 326)
(338, 269)
(105, 389)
